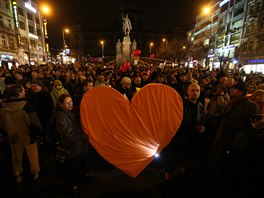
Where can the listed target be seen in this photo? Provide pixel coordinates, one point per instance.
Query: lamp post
(46, 11)
(102, 44)
(150, 46)
(164, 42)
(209, 10)
(66, 30)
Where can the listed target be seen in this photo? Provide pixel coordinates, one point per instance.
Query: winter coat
(55, 94)
(235, 131)
(20, 122)
(69, 129)
(43, 105)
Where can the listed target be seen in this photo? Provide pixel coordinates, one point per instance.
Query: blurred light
(223, 3)
(235, 61)
(206, 10)
(45, 9)
(157, 155)
(33, 36)
(29, 7)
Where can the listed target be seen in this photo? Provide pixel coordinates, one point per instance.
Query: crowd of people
(222, 121)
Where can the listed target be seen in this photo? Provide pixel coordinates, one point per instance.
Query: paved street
(110, 182)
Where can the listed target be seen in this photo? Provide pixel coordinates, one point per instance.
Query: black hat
(37, 82)
(240, 85)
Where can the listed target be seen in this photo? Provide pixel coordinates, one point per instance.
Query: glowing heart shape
(128, 134)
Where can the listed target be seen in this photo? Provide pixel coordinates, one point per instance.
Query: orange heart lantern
(129, 134)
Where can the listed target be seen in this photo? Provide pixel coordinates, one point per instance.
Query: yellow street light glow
(151, 44)
(206, 10)
(102, 42)
(45, 9)
(66, 30)
(163, 39)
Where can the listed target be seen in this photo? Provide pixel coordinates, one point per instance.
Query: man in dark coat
(187, 140)
(43, 104)
(235, 140)
(42, 101)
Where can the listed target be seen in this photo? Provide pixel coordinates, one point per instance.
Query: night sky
(101, 15)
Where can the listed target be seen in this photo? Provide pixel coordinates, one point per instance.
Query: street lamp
(66, 30)
(150, 46)
(102, 43)
(164, 42)
(46, 11)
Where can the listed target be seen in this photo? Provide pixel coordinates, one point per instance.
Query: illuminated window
(250, 47)
(38, 32)
(32, 44)
(261, 24)
(22, 25)
(39, 47)
(12, 43)
(20, 11)
(9, 23)
(30, 16)
(37, 20)
(31, 29)
(7, 6)
(1, 21)
(262, 44)
(3, 40)
(238, 11)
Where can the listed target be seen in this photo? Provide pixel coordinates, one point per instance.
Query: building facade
(230, 36)
(8, 44)
(22, 33)
(251, 51)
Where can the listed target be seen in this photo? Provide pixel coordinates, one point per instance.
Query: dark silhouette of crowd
(223, 120)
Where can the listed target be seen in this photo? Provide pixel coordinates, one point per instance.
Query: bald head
(193, 92)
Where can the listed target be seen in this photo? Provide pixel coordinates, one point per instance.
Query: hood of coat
(14, 106)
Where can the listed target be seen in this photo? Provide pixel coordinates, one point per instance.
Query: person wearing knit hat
(57, 83)
(259, 99)
(57, 90)
(37, 82)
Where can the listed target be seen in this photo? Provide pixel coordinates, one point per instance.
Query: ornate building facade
(22, 33)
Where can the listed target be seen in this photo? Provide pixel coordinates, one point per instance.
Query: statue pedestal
(126, 48)
(125, 54)
(119, 58)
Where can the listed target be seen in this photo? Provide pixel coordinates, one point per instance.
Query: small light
(157, 155)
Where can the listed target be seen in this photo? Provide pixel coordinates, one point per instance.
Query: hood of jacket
(14, 105)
